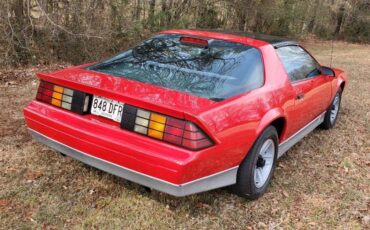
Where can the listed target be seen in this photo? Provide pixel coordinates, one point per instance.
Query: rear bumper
(150, 163)
(203, 184)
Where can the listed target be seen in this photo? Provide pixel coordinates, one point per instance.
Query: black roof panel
(273, 40)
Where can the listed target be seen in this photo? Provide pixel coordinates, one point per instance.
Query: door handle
(300, 96)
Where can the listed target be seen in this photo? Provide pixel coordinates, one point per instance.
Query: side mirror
(327, 71)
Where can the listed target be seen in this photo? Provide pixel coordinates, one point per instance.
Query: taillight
(165, 128)
(73, 100)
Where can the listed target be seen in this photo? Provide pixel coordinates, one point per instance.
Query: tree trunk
(164, 5)
(137, 10)
(180, 9)
(339, 20)
(258, 26)
(19, 38)
(311, 24)
(151, 8)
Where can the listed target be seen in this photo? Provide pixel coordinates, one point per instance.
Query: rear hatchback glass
(216, 71)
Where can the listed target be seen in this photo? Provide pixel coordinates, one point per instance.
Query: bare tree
(42, 31)
(339, 19)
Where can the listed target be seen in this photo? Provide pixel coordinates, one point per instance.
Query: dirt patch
(323, 182)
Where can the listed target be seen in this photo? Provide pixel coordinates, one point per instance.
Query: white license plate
(107, 108)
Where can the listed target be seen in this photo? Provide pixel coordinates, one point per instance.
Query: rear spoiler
(129, 99)
(110, 94)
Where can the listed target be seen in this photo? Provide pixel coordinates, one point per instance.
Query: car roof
(276, 41)
(255, 37)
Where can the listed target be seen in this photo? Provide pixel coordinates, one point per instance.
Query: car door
(322, 91)
(312, 89)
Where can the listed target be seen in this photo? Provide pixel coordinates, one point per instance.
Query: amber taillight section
(172, 130)
(59, 96)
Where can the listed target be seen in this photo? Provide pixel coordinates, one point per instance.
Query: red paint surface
(233, 124)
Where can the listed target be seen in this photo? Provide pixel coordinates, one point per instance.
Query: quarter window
(298, 63)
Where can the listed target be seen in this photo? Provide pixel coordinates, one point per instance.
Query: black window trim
(306, 78)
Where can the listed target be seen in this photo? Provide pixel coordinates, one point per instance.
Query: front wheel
(256, 170)
(331, 114)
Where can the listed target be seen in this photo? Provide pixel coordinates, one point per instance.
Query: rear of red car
(136, 117)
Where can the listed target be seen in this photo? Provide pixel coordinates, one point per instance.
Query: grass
(323, 182)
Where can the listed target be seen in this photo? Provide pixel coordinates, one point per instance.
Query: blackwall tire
(256, 170)
(331, 114)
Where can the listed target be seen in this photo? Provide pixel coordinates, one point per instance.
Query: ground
(323, 182)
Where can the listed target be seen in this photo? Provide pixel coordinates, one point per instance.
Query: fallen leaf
(366, 220)
(4, 203)
(285, 193)
(33, 175)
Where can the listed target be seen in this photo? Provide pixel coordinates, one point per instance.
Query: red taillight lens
(168, 129)
(196, 144)
(44, 92)
(63, 97)
(194, 139)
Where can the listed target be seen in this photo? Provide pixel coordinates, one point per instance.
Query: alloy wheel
(264, 163)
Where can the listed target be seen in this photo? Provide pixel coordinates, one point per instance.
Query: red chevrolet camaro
(188, 111)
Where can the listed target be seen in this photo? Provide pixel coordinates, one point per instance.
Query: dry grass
(323, 182)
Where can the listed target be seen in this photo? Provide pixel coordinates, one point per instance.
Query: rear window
(216, 71)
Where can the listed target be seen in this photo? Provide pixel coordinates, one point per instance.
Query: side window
(297, 62)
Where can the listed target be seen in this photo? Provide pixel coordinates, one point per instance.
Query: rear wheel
(256, 170)
(331, 114)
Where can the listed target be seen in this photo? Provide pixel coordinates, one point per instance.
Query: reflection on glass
(217, 71)
(298, 63)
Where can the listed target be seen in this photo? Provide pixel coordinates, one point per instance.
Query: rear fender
(268, 118)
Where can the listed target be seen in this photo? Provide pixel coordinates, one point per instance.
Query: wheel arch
(276, 118)
(342, 79)
(342, 85)
(279, 124)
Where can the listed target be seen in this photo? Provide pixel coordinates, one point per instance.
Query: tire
(332, 112)
(249, 182)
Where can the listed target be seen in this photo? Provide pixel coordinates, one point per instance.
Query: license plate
(107, 108)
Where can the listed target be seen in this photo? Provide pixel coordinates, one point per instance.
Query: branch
(64, 29)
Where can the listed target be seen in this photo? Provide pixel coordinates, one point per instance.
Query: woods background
(45, 31)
